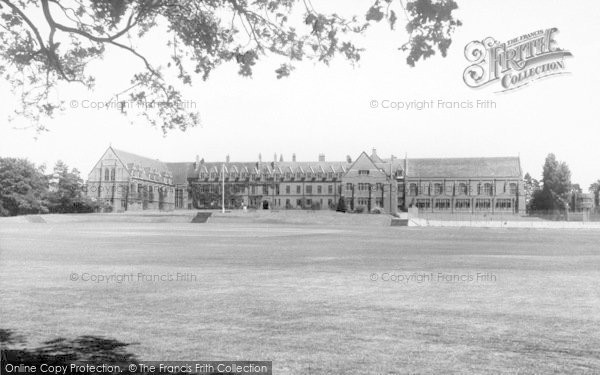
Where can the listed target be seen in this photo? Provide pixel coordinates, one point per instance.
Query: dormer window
(363, 172)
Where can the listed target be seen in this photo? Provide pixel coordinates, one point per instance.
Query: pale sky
(322, 109)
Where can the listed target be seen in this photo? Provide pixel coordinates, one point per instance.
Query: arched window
(412, 190)
(462, 189)
(487, 189)
(106, 174)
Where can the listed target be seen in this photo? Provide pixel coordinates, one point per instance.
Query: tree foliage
(46, 42)
(595, 189)
(530, 187)
(556, 188)
(67, 191)
(341, 205)
(25, 189)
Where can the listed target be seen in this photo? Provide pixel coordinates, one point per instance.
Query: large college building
(130, 182)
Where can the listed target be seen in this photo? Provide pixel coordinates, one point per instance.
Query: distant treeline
(27, 189)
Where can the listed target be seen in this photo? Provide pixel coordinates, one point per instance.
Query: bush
(378, 210)
(315, 206)
(360, 209)
(341, 206)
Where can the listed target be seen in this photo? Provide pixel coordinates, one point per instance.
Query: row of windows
(363, 186)
(264, 189)
(366, 202)
(139, 189)
(298, 203)
(459, 189)
(464, 204)
(267, 175)
(110, 175)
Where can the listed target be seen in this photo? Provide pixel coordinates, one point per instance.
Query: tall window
(298, 187)
(463, 204)
(439, 189)
(513, 188)
(487, 189)
(483, 204)
(319, 189)
(113, 173)
(412, 189)
(423, 203)
(504, 204)
(330, 189)
(106, 174)
(462, 189)
(309, 189)
(287, 189)
(442, 204)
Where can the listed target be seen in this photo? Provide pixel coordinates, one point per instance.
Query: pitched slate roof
(128, 158)
(180, 172)
(461, 167)
(317, 166)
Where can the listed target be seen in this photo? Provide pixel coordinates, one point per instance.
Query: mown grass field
(304, 296)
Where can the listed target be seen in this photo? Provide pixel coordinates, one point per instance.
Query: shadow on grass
(87, 349)
(93, 350)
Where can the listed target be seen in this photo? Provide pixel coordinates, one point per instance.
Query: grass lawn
(303, 296)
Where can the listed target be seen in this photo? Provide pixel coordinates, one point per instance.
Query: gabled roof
(363, 157)
(129, 159)
(495, 167)
(180, 172)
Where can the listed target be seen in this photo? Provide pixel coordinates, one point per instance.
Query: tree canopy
(556, 186)
(47, 42)
(23, 187)
(595, 189)
(26, 189)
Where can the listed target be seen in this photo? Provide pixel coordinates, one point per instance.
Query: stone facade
(128, 182)
(451, 185)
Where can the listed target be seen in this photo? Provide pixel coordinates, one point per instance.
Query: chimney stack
(275, 157)
(260, 157)
(321, 157)
(197, 165)
(374, 152)
(227, 159)
(294, 157)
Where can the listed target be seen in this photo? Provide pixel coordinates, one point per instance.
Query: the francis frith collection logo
(515, 63)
